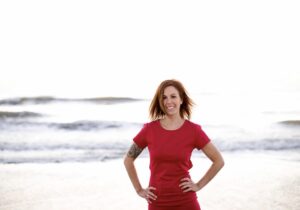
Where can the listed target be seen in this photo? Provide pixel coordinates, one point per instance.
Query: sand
(247, 182)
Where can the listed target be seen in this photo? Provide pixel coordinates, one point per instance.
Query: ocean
(47, 129)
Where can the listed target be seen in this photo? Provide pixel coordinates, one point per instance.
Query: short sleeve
(201, 139)
(141, 138)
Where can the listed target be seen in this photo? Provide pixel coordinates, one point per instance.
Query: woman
(171, 137)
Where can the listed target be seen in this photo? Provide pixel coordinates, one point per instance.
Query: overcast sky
(126, 48)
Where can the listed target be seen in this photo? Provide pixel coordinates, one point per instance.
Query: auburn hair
(156, 109)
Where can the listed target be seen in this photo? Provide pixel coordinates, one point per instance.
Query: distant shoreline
(290, 122)
(50, 99)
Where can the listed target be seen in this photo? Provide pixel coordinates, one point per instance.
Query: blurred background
(77, 77)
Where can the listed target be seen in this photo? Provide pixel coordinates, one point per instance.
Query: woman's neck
(172, 123)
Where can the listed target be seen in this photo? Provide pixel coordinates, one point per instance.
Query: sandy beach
(247, 182)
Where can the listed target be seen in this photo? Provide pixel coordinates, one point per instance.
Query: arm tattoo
(134, 151)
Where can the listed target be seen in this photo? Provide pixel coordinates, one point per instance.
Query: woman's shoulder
(193, 124)
(151, 123)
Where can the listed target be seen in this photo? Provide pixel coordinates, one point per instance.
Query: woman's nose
(168, 100)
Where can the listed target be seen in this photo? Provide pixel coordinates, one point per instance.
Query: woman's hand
(188, 185)
(147, 194)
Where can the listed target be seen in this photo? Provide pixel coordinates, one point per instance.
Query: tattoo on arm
(134, 151)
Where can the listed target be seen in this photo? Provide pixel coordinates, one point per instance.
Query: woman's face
(171, 101)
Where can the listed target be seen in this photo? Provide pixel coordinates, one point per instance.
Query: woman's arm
(133, 152)
(129, 159)
(217, 163)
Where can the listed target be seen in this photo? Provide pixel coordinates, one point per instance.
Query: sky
(126, 48)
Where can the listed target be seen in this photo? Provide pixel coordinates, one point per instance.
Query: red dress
(170, 152)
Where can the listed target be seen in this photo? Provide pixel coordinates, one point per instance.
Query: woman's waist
(167, 188)
(168, 194)
(167, 180)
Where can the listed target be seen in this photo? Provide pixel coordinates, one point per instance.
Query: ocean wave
(266, 144)
(81, 125)
(49, 99)
(17, 147)
(260, 145)
(24, 114)
(86, 125)
(20, 152)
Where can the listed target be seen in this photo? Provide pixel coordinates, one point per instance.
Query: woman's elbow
(127, 160)
(221, 162)
(218, 162)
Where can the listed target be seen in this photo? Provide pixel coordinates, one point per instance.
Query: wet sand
(247, 182)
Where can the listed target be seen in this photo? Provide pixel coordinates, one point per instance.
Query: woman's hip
(192, 205)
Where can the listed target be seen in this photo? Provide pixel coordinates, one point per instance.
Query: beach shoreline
(247, 182)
